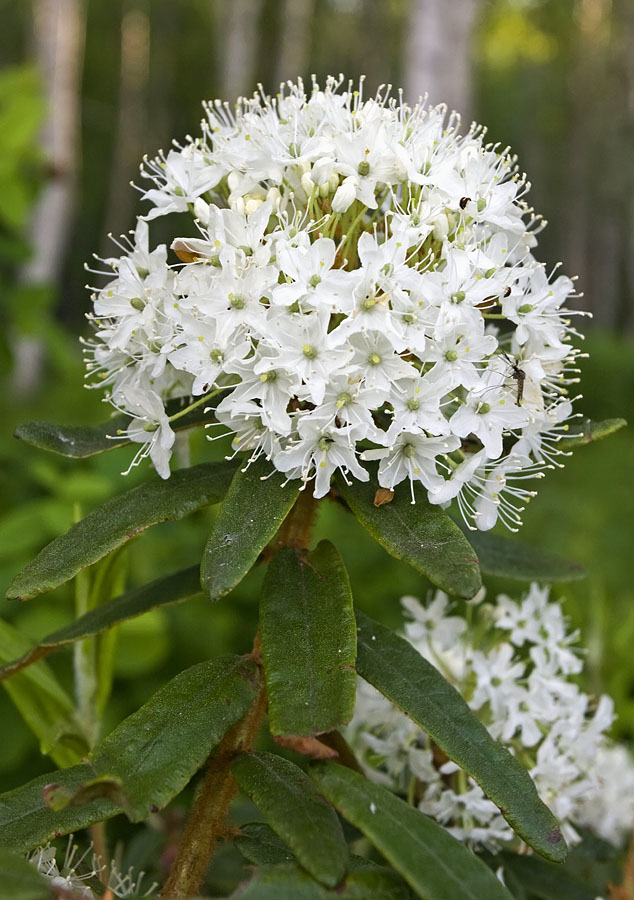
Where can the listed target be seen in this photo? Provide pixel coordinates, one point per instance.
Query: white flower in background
(355, 270)
(79, 872)
(513, 664)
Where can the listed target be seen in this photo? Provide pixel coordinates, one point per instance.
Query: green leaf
(308, 638)
(402, 675)
(250, 515)
(80, 441)
(421, 534)
(543, 879)
(288, 882)
(588, 431)
(145, 762)
(26, 822)
(19, 880)
(119, 519)
(434, 864)
(259, 845)
(297, 812)
(509, 558)
(43, 703)
(168, 589)
(156, 750)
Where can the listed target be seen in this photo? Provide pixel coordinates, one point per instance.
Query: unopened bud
(345, 195)
(201, 210)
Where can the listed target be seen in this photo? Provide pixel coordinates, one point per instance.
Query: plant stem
(297, 527)
(207, 819)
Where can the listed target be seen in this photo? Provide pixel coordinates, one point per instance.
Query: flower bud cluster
(357, 283)
(516, 669)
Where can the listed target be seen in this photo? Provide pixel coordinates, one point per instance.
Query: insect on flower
(518, 375)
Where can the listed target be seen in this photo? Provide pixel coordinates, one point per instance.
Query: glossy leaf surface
(308, 638)
(402, 675)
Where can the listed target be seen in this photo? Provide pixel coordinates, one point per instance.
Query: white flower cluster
(79, 872)
(358, 283)
(513, 665)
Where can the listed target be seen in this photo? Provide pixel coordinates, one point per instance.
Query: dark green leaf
(509, 558)
(19, 880)
(308, 637)
(421, 534)
(80, 441)
(259, 845)
(156, 750)
(119, 519)
(545, 880)
(255, 506)
(588, 432)
(297, 812)
(26, 822)
(434, 864)
(400, 673)
(143, 763)
(168, 589)
(288, 882)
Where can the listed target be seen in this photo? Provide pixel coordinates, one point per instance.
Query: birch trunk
(294, 52)
(59, 33)
(439, 52)
(241, 19)
(133, 122)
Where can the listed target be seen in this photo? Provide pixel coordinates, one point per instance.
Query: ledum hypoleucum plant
(355, 303)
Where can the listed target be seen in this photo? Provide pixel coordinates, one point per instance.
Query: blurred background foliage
(88, 86)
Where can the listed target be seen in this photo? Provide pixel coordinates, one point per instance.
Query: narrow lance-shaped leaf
(288, 882)
(26, 822)
(43, 703)
(145, 762)
(255, 506)
(509, 558)
(259, 845)
(308, 638)
(545, 880)
(434, 864)
(119, 519)
(588, 432)
(297, 812)
(79, 441)
(168, 589)
(402, 675)
(421, 534)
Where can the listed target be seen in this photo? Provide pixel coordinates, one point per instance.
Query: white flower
(339, 242)
(513, 666)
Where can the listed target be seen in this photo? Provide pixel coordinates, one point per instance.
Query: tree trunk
(59, 33)
(133, 124)
(294, 52)
(241, 19)
(439, 52)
